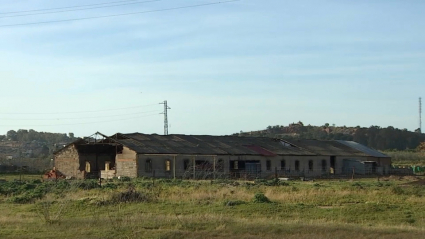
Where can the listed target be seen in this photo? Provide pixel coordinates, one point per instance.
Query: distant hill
(31, 144)
(389, 138)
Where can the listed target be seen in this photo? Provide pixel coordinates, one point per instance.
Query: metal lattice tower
(420, 114)
(166, 108)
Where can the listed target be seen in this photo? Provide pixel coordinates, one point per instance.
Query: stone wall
(67, 162)
(126, 163)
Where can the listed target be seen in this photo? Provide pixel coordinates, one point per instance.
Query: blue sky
(222, 68)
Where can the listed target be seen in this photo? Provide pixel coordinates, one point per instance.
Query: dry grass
(321, 209)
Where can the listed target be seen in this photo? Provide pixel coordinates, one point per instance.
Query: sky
(223, 68)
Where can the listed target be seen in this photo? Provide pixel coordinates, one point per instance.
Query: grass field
(392, 207)
(406, 157)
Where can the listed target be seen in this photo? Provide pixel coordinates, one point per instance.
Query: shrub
(62, 185)
(272, 182)
(261, 198)
(28, 197)
(124, 179)
(110, 186)
(131, 195)
(87, 184)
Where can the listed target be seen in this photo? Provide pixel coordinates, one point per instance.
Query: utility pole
(166, 108)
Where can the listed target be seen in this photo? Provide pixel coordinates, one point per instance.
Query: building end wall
(67, 162)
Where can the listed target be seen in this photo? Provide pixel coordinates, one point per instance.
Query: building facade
(207, 157)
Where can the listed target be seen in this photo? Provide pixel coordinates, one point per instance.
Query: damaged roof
(206, 145)
(231, 145)
(364, 149)
(328, 148)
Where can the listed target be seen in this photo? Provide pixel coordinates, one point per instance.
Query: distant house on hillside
(204, 156)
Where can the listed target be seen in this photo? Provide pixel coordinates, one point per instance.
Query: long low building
(204, 156)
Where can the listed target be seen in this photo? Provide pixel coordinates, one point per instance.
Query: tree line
(388, 138)
(23, 135)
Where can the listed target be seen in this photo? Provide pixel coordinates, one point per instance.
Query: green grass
(408, 158)
(17, 176)
(364, 208)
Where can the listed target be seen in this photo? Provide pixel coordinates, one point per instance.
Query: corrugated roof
(206, 145)
(260, 150)
(364, 149)
(233, 145)
(327, 147)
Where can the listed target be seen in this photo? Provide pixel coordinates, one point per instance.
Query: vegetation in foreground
(406, 157)
(142, 208)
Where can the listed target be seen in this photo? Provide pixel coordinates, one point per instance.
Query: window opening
(324, 165)
(186, 164)
(148, 165)
(282, 165)
(297, 165)
(87, 166)
(167, 165)
(310, 165)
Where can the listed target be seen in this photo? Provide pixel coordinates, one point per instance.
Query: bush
(124, 179)
(131, 195)
(28, 197)
(87, 184)
(110, 186)
(272, 182)
(261, 198)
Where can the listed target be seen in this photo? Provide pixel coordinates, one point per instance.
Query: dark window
(220, 165)
(324, 165)
(333, 158)
(310, 165)
(148, 165)
(236, 164)
(282, 165)
(332, 163)
(186, 164)
(297, 165)
(269, 165)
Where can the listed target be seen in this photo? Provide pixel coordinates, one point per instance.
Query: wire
(122, 14)
(56, 8)
(96, 122)
(81, 9)
(93, 117)
(78, 112)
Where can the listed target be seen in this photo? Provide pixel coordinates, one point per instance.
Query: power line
(117, 15)
(95, 122)
(93, 117)
(78, 6)
(80, 9)
(78, 112)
